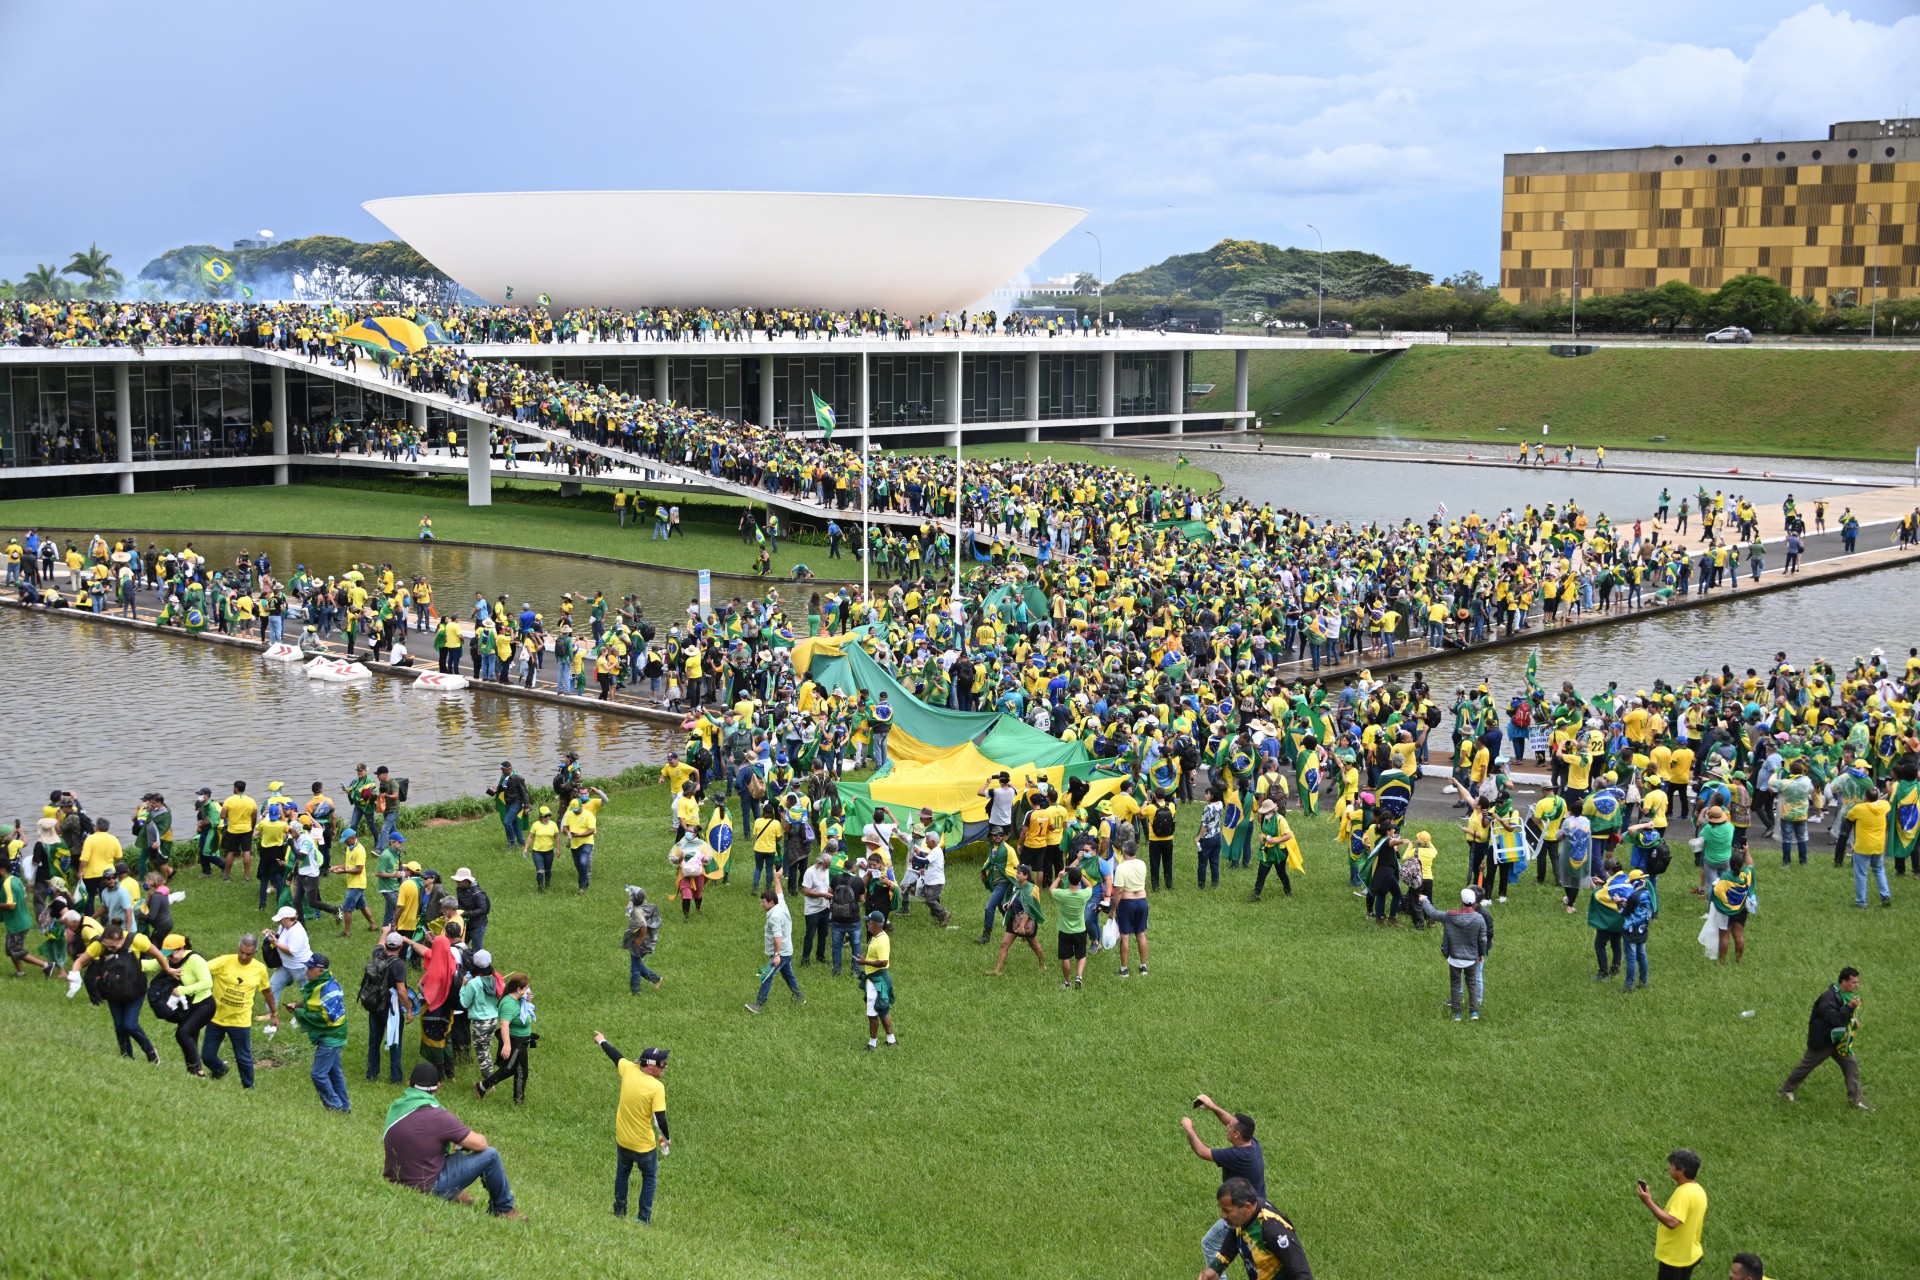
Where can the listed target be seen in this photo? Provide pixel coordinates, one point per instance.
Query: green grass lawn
(1749, 400)
(1017, 1124)
(582, 525)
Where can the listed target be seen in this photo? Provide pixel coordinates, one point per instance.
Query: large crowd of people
(281, 325)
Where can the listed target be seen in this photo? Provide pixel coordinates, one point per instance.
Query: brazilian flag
(720, 840)
(823, 415)
(217, 270)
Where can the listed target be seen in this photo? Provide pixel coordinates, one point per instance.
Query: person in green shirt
(996, 874)
(387, 871)
(16, 917)
(321, 1012)
(1071, 902)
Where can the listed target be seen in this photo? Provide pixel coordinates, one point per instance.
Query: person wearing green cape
(416, 1136)
(1024, 918)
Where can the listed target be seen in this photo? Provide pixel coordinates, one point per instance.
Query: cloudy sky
(1175, 124)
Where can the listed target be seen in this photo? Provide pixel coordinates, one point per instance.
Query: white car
(1732, 333)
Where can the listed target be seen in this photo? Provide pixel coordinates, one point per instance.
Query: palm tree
(43, 284)
(91, 266)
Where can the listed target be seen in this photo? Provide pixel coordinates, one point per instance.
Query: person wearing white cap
(474, 906)
(1464, 944)
(289, 939)
(480, 999)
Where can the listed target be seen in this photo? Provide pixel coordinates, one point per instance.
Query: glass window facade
(632, 375)
(1069, 386)
(908, 391)
(1142, 384)
(797, 379)
(707, 382)
(57, 414)
(993, 388)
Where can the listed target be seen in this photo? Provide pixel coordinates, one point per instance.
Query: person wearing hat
(206, 819)
(388, 1000)
(876, 978)
(582, 823)
(640, 1132)
(309, 864)
(289, 940)
(192, 998)
(16, 917)
(480, 1000)
(1715, 847)
(475, 906)
(386, 801)
(817, 887)
(509, 794)
(321, 1012)
(1464, 944)
(389, 873)
(353, 865)
(418, 1132)
(413, 893)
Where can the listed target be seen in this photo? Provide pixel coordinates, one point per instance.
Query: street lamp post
(1320, 289)
(1576, 277)
(1099, 279)
(1873, 247)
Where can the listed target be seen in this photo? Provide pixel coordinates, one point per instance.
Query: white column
(950, 374)
(277, 391)
(1177, 375)
(123, 422)
(766, 391)
(1240, 360)
(479, 463)
(662, 379)
(1106, 395)
(1032, 359)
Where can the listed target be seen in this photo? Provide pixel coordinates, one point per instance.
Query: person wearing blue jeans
(642, 1112)
(1869, 817)
(242, 1040)
(779, 947)
(418, 1132)
(1209, 847)
(321, 1010)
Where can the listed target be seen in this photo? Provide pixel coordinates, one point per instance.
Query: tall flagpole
(866, 525)
(959, 482)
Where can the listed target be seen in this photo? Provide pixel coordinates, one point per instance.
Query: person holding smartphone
(1676, 1241)
(1240, 1158)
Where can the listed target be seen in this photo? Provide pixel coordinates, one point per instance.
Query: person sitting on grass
(419, 1132)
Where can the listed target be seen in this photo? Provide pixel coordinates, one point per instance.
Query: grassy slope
(1839, 403)
(325, 509)
(1014, 1116)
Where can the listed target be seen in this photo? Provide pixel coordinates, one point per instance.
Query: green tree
(44, 284)
(1676, 303)
(1752, 302)
(102, 279)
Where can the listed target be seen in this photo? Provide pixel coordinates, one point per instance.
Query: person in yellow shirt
(116, 941)
(98, 854)
(542, 836)
(353, 865)
(686, 810)
(237, 813)
(237, 979)
(406, 913)
(642, 1110)
(1676, 1241)
(582, 823)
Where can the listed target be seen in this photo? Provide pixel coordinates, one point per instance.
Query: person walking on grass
(1024, 918)
(1130, 905)
(480, 1001)
(321, 1011)
(1260, 1234)
(1464, 945)
(778, 941)
(640, 1134)
(1676, 1241)
(876, 980)
(1071, 904)
(1831, 1030)
(1240, 1158)
(641, 936)
(517, 1039)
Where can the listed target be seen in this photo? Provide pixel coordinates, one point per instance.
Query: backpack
(1659, 858)
(373, 983)
(1523, 716)
(405, 785)
(1163, 822)
(756, 785)
(159, 992)
(846, 901)
(121, 978)
(1432, 717)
